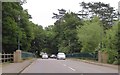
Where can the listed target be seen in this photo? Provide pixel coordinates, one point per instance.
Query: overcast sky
(42, 10)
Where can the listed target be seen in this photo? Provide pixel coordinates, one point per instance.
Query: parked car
(44, 56)
(61, 56)
(53, 56)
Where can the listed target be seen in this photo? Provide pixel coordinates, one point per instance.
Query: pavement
(16, 67)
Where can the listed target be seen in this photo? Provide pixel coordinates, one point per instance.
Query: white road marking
(64, 65)
(71, 68)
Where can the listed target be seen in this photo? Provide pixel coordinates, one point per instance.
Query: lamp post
(18, 34)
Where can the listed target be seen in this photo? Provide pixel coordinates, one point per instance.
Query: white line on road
(64, 65)
(71, 68)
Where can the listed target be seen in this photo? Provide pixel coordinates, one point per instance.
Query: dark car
(53, 56)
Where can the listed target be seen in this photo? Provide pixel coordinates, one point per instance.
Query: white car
(44, 56)
(61, 56)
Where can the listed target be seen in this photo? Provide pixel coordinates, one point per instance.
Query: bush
(115, 62)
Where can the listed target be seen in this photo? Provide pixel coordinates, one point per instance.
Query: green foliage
(66, 33)
(10, 33)
(105, 12)
(14, 28)
(90, 35)
(111, 43)
(69, 34)
(50, 40)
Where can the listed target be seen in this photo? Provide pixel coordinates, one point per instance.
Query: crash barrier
(26, 55)
(6, 57)
(82, 55)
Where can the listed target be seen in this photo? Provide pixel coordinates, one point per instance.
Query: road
(65, 66)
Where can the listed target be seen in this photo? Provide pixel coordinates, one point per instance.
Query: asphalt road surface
(66, 66)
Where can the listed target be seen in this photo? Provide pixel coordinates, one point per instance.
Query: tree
(105, 12)
(14, 28)
(50, 44)
(10, 28)
(66, 34)
(37, 44)
(90, 34)
(111, 41)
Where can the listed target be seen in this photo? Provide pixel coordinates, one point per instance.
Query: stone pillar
(99, 56)
(17, 56)
(104, 57)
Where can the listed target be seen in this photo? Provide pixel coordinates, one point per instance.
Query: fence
(16, 57)
(82, 55)
(6, 57)
(26, 55)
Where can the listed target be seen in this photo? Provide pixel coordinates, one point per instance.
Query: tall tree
(90, 35)
(105, 12)
(10, 28)
(16, 27)
(65, 29)
(111, 41)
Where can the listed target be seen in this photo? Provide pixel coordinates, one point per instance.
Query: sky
(42, 10)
